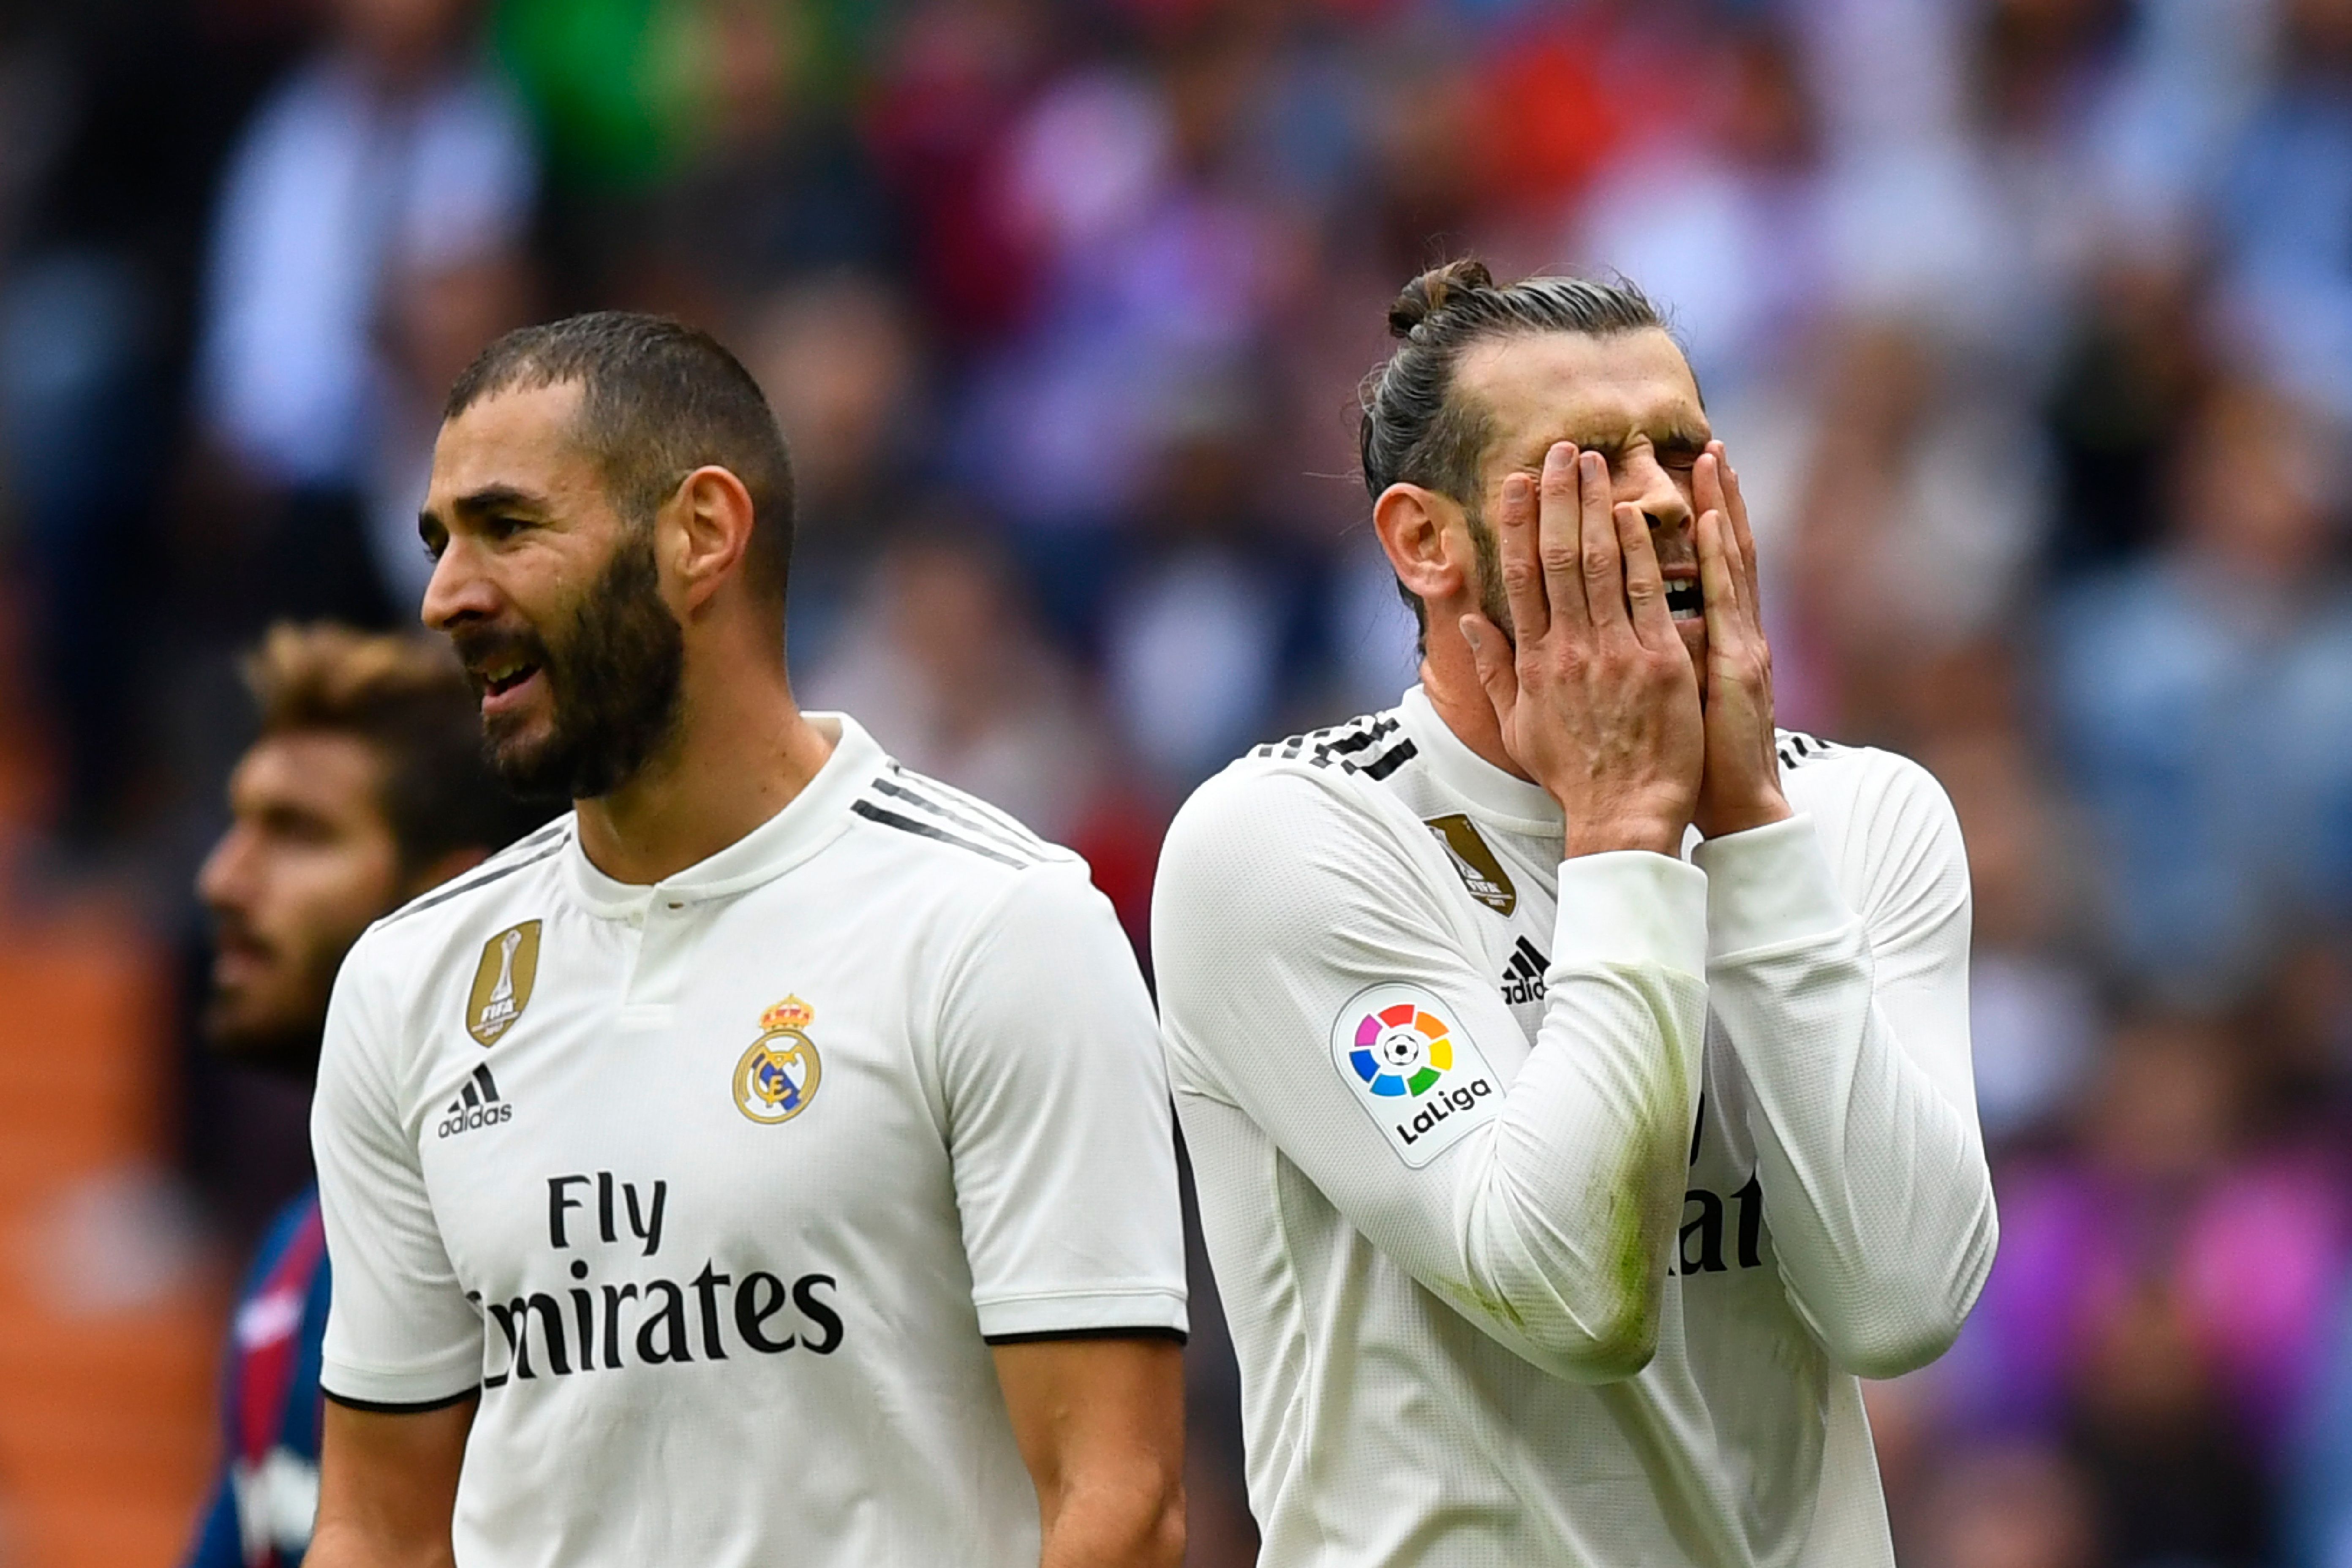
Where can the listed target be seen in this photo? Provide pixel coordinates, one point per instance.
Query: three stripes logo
(1523, 976)
(477, 1107)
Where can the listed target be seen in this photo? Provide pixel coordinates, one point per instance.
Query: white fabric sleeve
(400, 1331)
(1853, 1032)
(1059, 1122)
(1287, 914)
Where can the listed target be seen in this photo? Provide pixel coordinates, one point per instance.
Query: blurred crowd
(2028, 323)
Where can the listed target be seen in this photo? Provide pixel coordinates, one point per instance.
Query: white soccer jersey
(1431, 1075)
(718, 1189)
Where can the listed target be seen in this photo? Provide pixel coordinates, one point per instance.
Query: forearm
(1131, 1522)
(345, 1544)
(1567, 1204)
(388, 1487)
(1874, 1183)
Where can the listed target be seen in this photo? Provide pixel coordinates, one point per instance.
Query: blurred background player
(365, 788)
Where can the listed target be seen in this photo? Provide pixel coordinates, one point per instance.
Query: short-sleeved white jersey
(1431, 1077)
(719, 1189)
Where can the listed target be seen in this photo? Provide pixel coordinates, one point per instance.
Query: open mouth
(506, 674)
(1683, 599)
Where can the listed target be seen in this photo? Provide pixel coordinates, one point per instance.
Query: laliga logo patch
(778, 1076)
(502, 982)
(1423, 1084)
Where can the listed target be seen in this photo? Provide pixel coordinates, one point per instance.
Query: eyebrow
(478, 503)
(498, 497)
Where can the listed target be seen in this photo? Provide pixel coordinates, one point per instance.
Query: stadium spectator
(389, 169)
(2198, 699)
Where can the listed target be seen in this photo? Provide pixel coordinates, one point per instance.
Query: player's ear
(1413, 523)
(711, 516)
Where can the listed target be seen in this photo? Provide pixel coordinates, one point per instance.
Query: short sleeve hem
(1630, 907)
(417, 1388)
(1093, 1310)
(1768, 886)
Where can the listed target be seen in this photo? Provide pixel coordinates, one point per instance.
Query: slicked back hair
(658, 400)
(407, 699)
(1415, 429)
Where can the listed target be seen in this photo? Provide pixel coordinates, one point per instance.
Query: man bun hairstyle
(1416, 430)
(658, 400)
(408, 700)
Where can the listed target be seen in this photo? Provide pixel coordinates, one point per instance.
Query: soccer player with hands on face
(1575, 1067)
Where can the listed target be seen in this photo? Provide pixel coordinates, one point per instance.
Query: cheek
(334, 897)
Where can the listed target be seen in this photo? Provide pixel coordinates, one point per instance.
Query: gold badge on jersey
(1480, 871)
(778, 1076)
(502, 982)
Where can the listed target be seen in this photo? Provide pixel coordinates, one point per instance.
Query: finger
(1736, 509)
(1498, 673)
(1718, 583)
(1603, 558)
(1707, 479)
(1743, 580)
(1646, 584)
(1560, 547)
(1515, 546)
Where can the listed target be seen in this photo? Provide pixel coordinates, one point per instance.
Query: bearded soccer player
(365, 789)
(1575, 1069)
(830, 1216)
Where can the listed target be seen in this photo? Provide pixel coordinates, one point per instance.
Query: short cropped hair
(406, 699)
(658, 400)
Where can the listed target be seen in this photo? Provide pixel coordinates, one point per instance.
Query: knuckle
(1599, 563)
(1559, 557)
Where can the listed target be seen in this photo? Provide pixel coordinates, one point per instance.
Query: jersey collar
(809, 821)
(1510, 802)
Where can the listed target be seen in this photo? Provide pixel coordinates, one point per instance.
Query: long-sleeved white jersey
(1556, 1206)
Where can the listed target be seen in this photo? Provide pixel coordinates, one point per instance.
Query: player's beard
(614, 674)
(1492, 602)
(284, 1040)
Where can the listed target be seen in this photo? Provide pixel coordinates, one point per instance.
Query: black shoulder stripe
(539, 835)
(887, 818)
(431, 899)
(967, 822)
(1796, 749)
(964, 803)
(1363, 738)
(1389, 761)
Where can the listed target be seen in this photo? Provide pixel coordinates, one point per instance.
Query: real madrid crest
(778, 1076)
(502, 982)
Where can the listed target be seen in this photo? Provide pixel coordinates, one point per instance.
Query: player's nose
(1650, 485)
(458, 590)
(221, 879)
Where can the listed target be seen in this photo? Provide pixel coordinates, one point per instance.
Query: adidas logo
(1523, 977)
(480, 1106)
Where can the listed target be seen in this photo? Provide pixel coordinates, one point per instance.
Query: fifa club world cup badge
(502, 982)
(778, 1076)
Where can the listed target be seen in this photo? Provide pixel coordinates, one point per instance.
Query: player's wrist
(1660, 834)
(1760, 810)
